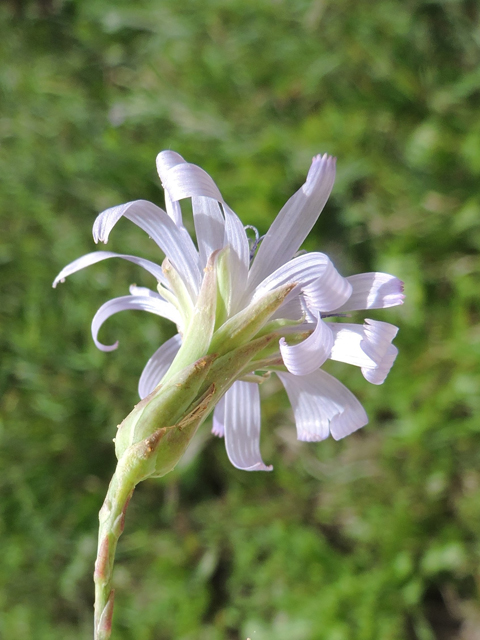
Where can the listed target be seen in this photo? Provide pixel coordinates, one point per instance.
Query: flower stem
(133, 467)
(112, 519)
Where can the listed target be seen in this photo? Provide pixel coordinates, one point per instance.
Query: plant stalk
(112, 520)
(133, 467)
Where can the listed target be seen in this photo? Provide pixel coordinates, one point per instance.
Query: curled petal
(327, 292)
(185, 180)
(173, 240)
(242, 427)
(373, 291)
(98, 256)
(158, 365)
(322, 405)
(142, 303)
(307, 356)
(378, 374)
(367, 346)
(218, 427)
(165, 161)
(302, 270)
(295, 220)
(378, 337)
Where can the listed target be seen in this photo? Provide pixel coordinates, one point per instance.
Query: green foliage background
(372, 538)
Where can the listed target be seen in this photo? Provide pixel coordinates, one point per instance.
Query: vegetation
(374, 537)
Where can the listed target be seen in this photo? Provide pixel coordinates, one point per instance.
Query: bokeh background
(372, 538)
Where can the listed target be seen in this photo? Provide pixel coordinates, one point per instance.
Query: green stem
(137, 463)
(112, 519)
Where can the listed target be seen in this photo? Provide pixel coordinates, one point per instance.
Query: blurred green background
(372, 538)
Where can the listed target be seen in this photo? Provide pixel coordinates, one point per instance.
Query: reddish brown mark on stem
(105, 625)
(102, 560)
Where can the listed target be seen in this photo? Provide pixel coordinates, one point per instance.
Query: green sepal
(226, 369)
(181, 297)
(158, 454)
(164, 406)
(257, 378)
(198, 334)
(247, 323)
(273, 348)
(224, 290)
(177, 438)
(269, 358)
(221, 375)
(278, 325)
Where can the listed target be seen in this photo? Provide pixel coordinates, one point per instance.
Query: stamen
(255, 231)
(336, 315)
(254, 243)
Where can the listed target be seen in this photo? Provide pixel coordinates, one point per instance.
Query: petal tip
(321, 175)
(165, 160)
(340, 428)
(59, 279)
(397, 295)
(261, 467)
(105, 347)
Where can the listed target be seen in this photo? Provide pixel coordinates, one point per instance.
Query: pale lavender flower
(246, 273)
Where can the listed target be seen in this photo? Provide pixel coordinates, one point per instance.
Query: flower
(227, 291)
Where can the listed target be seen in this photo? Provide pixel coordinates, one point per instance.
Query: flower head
(247, 308)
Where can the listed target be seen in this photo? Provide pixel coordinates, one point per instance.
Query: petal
(327, 292)
(174, 241)
(307, 356)
(143, 291)
(98, 256)
(142, 303)
(295, 220)
(367, 346)
(381, 371)
(218, 427)
(378, 338)
(173, 209)
(158, 365)
(209, 226)
(242, 427)
(291, 309)
(373, 291)
(303, 270)
(322, 405)
(165, 161)
(239, 257)
(347, 344)
(185, 180)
